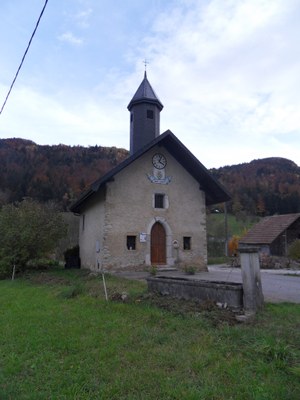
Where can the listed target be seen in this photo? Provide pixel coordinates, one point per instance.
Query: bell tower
(144, 108)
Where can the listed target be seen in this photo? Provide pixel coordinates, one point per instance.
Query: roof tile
(268, 229)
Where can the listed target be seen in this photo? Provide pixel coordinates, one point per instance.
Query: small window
(131, 242)
(150, 114)
(186, 243)
(131, 117)
(159, 200)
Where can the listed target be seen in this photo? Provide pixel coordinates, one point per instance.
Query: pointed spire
(145, 94)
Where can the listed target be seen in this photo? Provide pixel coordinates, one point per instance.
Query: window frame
(187, 243)
(131, 242)
(159, 200)
(150, 114)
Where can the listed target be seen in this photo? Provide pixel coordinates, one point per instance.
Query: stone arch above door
(163, 222)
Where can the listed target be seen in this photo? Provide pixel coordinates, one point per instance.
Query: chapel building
(151, 208)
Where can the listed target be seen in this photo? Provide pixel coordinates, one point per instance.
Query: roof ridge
(215, 192)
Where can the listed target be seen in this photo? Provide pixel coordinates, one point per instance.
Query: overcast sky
(227, 72)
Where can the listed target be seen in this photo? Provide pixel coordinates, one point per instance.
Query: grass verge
(60, 339)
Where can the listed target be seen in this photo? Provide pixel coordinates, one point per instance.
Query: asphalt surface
(278, 285)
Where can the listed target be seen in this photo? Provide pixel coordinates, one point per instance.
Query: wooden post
(104, 285)
(13, 272)
(226, 229)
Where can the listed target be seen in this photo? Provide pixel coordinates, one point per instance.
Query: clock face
(159, 161)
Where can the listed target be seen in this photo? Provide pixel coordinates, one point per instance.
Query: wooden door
(158, 244)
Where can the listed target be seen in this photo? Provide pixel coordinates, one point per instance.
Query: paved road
(278, 285)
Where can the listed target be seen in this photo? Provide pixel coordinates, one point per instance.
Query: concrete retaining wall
(199, 290)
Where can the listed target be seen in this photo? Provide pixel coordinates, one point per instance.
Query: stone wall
(130, 211)
(91, 232)
(229, 293)
(127, 208)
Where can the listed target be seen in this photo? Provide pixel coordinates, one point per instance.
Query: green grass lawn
(59, 339)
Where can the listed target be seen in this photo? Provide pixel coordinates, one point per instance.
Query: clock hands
(159, 161)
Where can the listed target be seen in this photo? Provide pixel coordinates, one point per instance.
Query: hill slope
(57, 173)
(261, 187)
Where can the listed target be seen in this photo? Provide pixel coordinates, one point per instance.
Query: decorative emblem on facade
(163, 181)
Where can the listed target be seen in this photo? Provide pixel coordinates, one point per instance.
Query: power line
(23, 58)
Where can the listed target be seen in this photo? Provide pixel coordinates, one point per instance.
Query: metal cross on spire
(146, 62)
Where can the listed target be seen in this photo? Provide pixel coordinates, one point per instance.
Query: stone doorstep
(164, 269)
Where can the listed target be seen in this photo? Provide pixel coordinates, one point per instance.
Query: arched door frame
(158, 245)
(169, 241)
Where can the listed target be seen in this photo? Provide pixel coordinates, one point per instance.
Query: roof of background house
(268, 229)
(214, 191)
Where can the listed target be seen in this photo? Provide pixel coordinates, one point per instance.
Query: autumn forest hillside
(61, 173)
(58, 173)
(262, 187)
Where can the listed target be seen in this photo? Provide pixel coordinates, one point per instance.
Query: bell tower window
(150, 114)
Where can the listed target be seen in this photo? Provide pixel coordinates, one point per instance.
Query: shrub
(190, 269)
(233, 245)
(29, 230)
(42, 263)
(294, 250)
(5, 267)
(153, 270)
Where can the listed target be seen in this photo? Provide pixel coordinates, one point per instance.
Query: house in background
(273, 234)
(151, 208)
